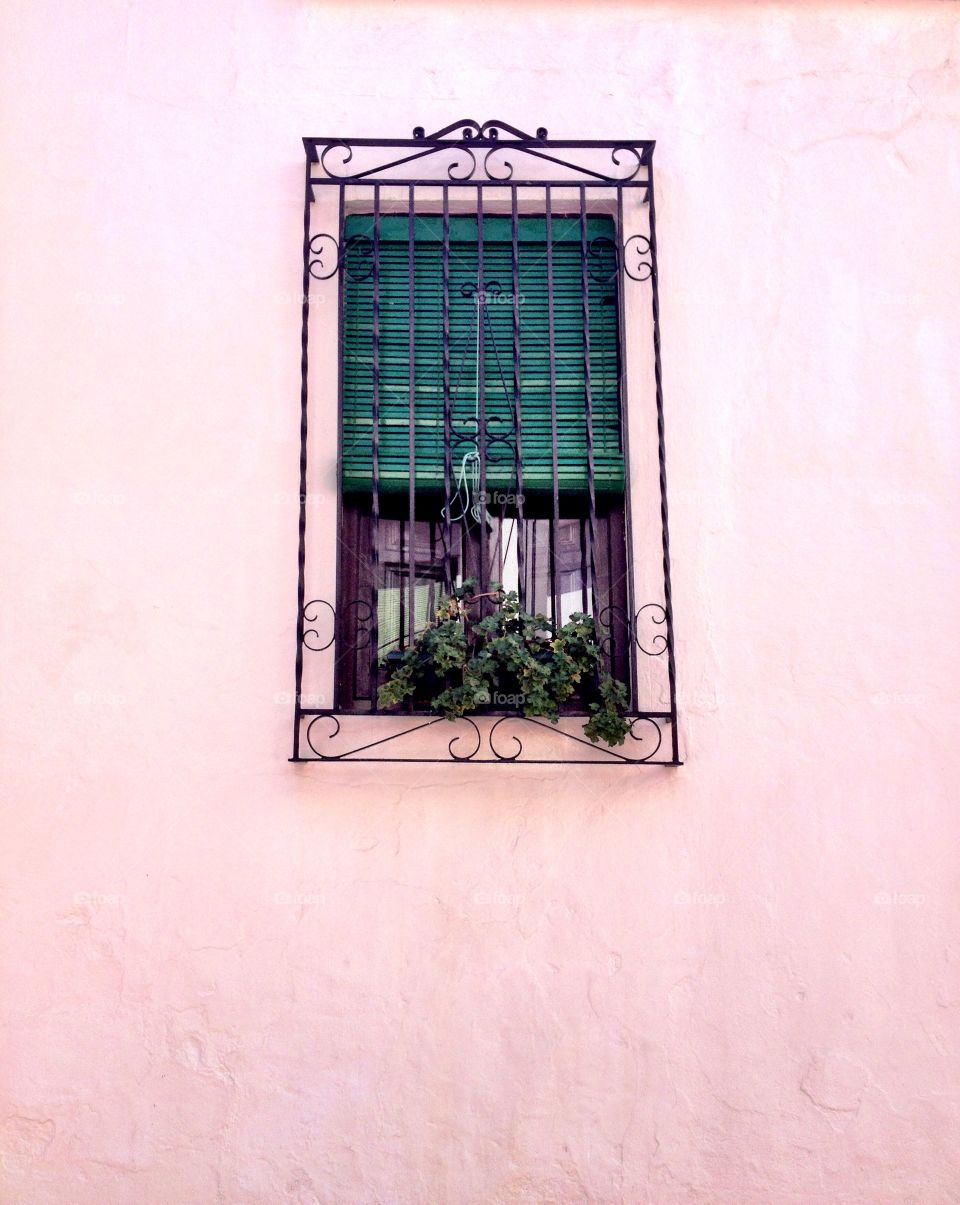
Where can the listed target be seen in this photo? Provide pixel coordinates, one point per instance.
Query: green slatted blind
(496, 342)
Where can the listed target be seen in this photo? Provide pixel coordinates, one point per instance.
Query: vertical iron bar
(530, 603)
(339, 643)
(401, 590)
(625, 448)
(588, 395)
(555, 524)
(662, 455)
(481, 399)
(447, 451)
(517, 408)
(302, 526)
(582, 539)
(412, 421)
(375, 457)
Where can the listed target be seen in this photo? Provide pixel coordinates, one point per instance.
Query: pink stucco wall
(229, 979)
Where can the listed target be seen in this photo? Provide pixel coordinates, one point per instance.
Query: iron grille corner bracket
(488, 158)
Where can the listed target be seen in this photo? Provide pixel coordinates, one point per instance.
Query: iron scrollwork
(656, 614)
(634, 258)
(476, 741)
(642, 268)
(312, 639)
(313, 633)
(327, 258)
(324, 247)
(599, 250)
(637, 628)
(468, 151)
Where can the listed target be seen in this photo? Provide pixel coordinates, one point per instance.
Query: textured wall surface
(229, 979)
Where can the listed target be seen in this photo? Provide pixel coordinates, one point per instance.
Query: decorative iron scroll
(642, 628)
(320, 626)
(510, 171)
(320, 614)
(640, 267)
(471, 152)
(327, 257)
(333, 737)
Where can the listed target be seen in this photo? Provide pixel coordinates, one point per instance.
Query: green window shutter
(494, 342)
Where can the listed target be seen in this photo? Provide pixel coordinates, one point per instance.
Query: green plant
(461, 661)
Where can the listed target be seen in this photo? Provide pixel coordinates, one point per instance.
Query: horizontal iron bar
(479, 715)
(447, 182)
(484, 761)
(594, 144)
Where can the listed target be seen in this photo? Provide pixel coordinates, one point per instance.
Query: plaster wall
(232, 979)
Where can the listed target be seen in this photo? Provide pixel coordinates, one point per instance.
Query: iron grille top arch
(470, 152)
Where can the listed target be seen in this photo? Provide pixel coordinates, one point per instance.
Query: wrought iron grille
(490, 415)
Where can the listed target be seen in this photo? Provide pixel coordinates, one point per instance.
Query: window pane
(509, 542)
(570, 552)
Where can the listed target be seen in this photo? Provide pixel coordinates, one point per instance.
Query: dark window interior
(510, 540)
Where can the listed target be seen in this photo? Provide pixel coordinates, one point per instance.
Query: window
(487, 452)
(481, 420)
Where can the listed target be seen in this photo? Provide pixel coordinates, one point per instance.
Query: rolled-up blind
(481, 329)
